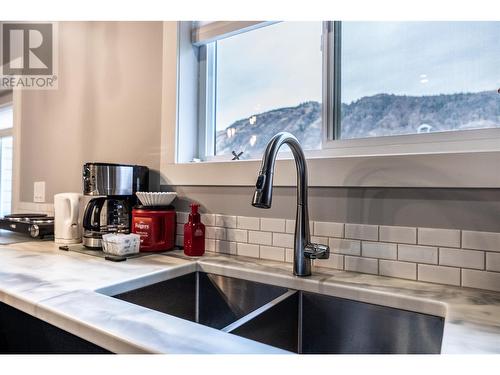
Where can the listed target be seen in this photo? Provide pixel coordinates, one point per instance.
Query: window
(6, 123)
(267, 80)
(418, 77)
(6, 117)
(331, 83)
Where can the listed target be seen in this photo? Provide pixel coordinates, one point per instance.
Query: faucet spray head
(262, 197)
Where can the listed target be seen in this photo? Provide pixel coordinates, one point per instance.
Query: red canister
(156, 226)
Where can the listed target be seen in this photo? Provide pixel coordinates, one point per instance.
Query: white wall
(107, 107)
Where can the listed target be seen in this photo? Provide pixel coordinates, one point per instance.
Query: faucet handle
(317, 251)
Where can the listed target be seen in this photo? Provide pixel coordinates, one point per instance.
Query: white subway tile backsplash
(444, 256)
(246, 222)
(439, 274)
(481, 240)
(225, 247)
(481, 279)
(358, 264)
(402, 270)
(209, 244)
(398, 234)
(466, 258)
(210, 232)
(418, 254)
(220, 233)
(248, 250)
(290, 226)
(225, 221)
(322, 228)
(493, 262)
(361, 232)
(334, 261)
(342, 246)
(272, 225)
(461, 258)
(179, 240)
(182, 217)
(439, 237)
(208, 219)
(261, 238)
(238, 235)
(272, 253)
(379, 250)
(283, 240)
(215, 233)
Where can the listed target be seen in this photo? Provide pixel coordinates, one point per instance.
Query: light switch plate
(39, 192)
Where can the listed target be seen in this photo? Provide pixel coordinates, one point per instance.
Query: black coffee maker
(113, 187)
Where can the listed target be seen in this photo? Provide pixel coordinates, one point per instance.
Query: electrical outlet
(39, 192)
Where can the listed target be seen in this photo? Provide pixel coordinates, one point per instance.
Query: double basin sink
(293, 320)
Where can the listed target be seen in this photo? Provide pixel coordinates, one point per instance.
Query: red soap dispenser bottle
(194, 234)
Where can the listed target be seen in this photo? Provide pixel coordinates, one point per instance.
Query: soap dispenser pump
(194, 233)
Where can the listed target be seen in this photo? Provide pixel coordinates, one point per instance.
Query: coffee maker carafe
(113, 188)
(105, 215)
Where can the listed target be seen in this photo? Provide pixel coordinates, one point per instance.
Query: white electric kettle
(67, 226)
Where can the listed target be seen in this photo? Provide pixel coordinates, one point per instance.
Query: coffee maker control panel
(101, 179)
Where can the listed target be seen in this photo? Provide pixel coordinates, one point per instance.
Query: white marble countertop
(70, 290)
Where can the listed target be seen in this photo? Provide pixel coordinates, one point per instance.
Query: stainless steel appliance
(35, 225)
(114, 179)
(113, 188)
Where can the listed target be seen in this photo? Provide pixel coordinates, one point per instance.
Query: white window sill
(432, 170)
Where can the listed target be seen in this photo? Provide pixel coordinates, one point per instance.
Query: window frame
(361, 166)
(8, 132)
(469, 140)
(207, 97)
(207, 101)
(448, 141)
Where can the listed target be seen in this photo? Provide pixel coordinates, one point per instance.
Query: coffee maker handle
(74, 203)
(92, 211)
